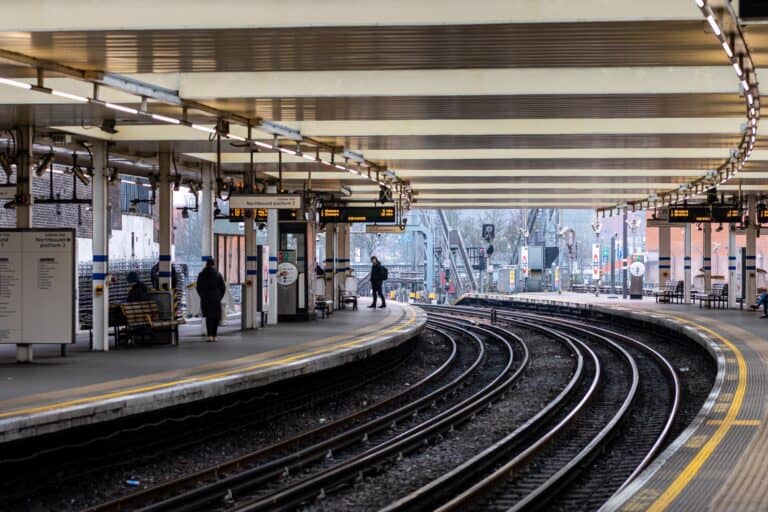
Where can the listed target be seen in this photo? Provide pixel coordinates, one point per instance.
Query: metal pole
(100, 302)
(612, 294)
(165, 220)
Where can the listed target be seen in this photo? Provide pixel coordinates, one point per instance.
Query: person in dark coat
(377, 281)
(211, 289)
(138, 291)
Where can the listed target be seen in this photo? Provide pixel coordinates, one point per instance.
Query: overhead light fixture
(737, 68)
(745, 85)
(263, 144)
(69, 96)
(43, 164)
(280, 130)
(346, 191)
(202, 128)
(750, 99)
(121, 108)
(309, 157)
(236, 137)
(286, 150)
(340, 167)
(728, 50)
(165, 119)
(713, 24)
(108, 126)
(354, 156)
(700, 3)
(84, 179)
(15, 83)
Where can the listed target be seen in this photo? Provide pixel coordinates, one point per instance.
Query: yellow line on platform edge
(204, 378)
(694, 466)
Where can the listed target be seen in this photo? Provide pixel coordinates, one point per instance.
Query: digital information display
(358, 214)
(37, 286)
(703, 213)
(260, 214)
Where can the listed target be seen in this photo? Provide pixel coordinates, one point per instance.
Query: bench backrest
(139, 313)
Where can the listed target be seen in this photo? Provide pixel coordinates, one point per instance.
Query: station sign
(358, 214)
(265, 201)
(595, 261)
(384, 228)
(703, 213)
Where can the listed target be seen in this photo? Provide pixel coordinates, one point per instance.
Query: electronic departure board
(358, 214)
(762, 216)
(704, 213)
(260, 214)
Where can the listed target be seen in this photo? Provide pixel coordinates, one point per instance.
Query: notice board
(37, 286)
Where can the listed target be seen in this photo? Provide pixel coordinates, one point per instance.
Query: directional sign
(385, 228)
(267, 201)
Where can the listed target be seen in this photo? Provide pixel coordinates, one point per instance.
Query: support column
(687, 264)
(732, 272)
(343, 259)
(273, 239)
(665, 259)
(165, 204)
(328, 263)
(751, 263)
(206, 214)
(625, 259)
(248, 319)
(24, 353)
(707, 257)
(100, 316)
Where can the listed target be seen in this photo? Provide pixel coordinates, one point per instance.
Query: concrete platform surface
(721, 461)
(55, 393)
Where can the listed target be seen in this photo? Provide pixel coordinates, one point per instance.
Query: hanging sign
(358, 214)
(7, 192)
(524, 260)
(384, 228)
(266, 201)
(595, 261)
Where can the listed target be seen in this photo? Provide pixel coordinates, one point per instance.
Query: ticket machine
(295, 271)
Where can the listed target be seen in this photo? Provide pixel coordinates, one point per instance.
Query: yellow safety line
(205, 378)
(695, 465)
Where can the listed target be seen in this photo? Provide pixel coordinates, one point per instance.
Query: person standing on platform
(211, 289)
(378, 276)
(763, 301)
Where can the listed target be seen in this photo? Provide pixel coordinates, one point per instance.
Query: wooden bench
(717, 297)
(143, 321)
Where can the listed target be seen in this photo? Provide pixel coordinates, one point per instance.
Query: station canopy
(482, 104)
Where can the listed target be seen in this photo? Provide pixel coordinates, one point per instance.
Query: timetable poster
(10, 286)
(37, 286)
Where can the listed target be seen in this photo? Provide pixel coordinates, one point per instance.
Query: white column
(751, 263)
(165, 205)
(25, 140)
(206, 214)
(687, 264)
(665, 260)
(330, 276)
(251, 275)
(732, 271)
(707, 257)
(273, 241)
(100, 205)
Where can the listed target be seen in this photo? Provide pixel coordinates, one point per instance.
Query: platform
(719, 462)
(55, 393)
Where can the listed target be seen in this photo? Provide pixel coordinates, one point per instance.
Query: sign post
(524, 265)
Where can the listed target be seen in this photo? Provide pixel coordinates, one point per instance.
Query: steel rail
(134, 500)
(409, 440)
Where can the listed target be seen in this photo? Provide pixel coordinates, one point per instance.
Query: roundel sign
(637, 269)
(287, 273)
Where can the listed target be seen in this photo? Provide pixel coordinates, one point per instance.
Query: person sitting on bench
(138, 291)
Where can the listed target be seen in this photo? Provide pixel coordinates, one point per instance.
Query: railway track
(613, 408)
